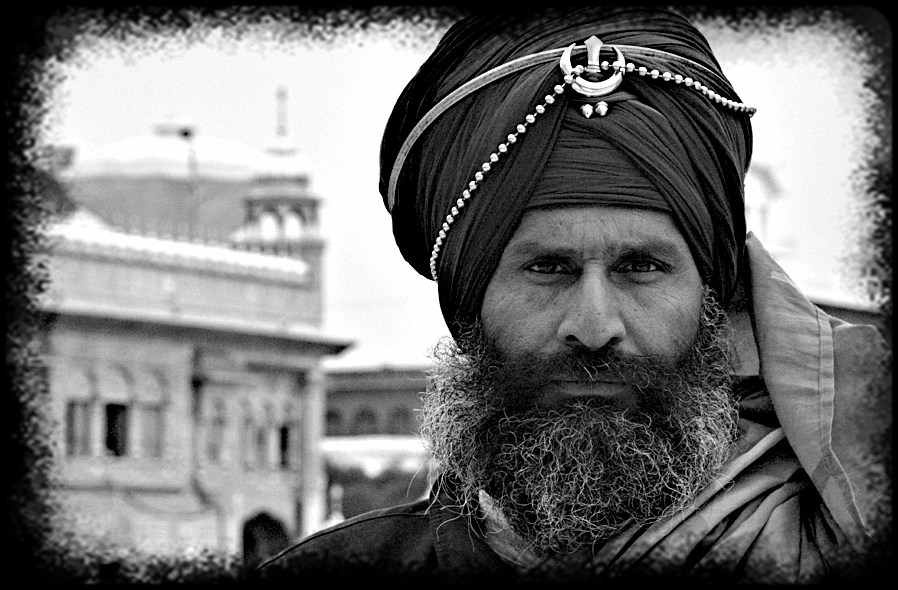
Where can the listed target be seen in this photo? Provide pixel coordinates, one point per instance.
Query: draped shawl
(693, 151)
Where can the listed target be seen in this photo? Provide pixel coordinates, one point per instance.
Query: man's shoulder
(381, 542)
(374, 528)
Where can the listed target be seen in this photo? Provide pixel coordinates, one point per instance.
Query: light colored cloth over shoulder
(826, 381)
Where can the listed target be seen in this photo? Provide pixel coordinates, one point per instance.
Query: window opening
(117, 430)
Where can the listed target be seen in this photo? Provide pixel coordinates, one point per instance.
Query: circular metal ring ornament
(587, 87)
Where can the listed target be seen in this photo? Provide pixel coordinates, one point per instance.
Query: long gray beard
(571, 476)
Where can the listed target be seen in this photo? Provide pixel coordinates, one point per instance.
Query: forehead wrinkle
(533, 246)
(560, 246)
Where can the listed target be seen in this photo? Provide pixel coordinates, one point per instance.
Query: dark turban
(680, 143)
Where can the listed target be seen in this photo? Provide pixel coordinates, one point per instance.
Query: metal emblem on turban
(595, 87)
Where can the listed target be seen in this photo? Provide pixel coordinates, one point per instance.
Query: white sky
(341, 95)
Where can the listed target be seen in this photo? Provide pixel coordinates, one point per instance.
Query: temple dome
(167, 153)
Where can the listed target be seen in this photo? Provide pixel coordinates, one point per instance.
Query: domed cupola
(175, 181)
(281, 211)
(175, 150)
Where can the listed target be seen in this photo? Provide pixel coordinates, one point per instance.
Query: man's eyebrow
(649, 245)
(653, 245)
(529, 247)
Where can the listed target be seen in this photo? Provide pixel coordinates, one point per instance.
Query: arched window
(365, 422)
(218, 422)
(269, 226)
(333, 425)
(80, 390)
(263, 537)
(400, 421)
(116, 390)
(293, 225)
(289, 438)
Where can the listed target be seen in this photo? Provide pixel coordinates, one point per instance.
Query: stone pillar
(274, 442)
(314, 485)
(97, 427)
(135, 430)
(235, 522)
(230, 434)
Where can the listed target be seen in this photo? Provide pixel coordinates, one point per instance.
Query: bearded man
(634, 388)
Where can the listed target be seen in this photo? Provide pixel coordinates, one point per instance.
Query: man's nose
(593, 317)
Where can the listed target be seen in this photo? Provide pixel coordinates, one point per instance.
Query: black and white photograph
(442, 295)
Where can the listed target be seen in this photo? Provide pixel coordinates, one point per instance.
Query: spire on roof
(282, 111)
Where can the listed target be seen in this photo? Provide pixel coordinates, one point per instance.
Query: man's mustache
(608, 364)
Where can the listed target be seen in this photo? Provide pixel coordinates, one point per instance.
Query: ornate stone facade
(186, 374)
(187, 387)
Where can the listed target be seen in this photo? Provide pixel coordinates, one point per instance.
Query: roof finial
(282, 111)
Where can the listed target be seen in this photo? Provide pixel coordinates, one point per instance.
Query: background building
(185, 366)
(372, 448)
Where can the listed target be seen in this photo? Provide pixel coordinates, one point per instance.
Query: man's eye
(640, 266)
(547, 267)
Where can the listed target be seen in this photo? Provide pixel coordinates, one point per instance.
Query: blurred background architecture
(184, 352)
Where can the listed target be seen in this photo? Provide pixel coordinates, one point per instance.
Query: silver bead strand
(494, 157)
(739, 107)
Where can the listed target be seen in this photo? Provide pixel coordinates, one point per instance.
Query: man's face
(594, 394)
(594, 278)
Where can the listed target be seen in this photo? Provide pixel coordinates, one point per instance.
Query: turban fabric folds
(658, 138)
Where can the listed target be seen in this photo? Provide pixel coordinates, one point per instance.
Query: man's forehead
(609, 226)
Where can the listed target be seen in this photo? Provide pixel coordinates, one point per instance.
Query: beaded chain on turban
(476, 94)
